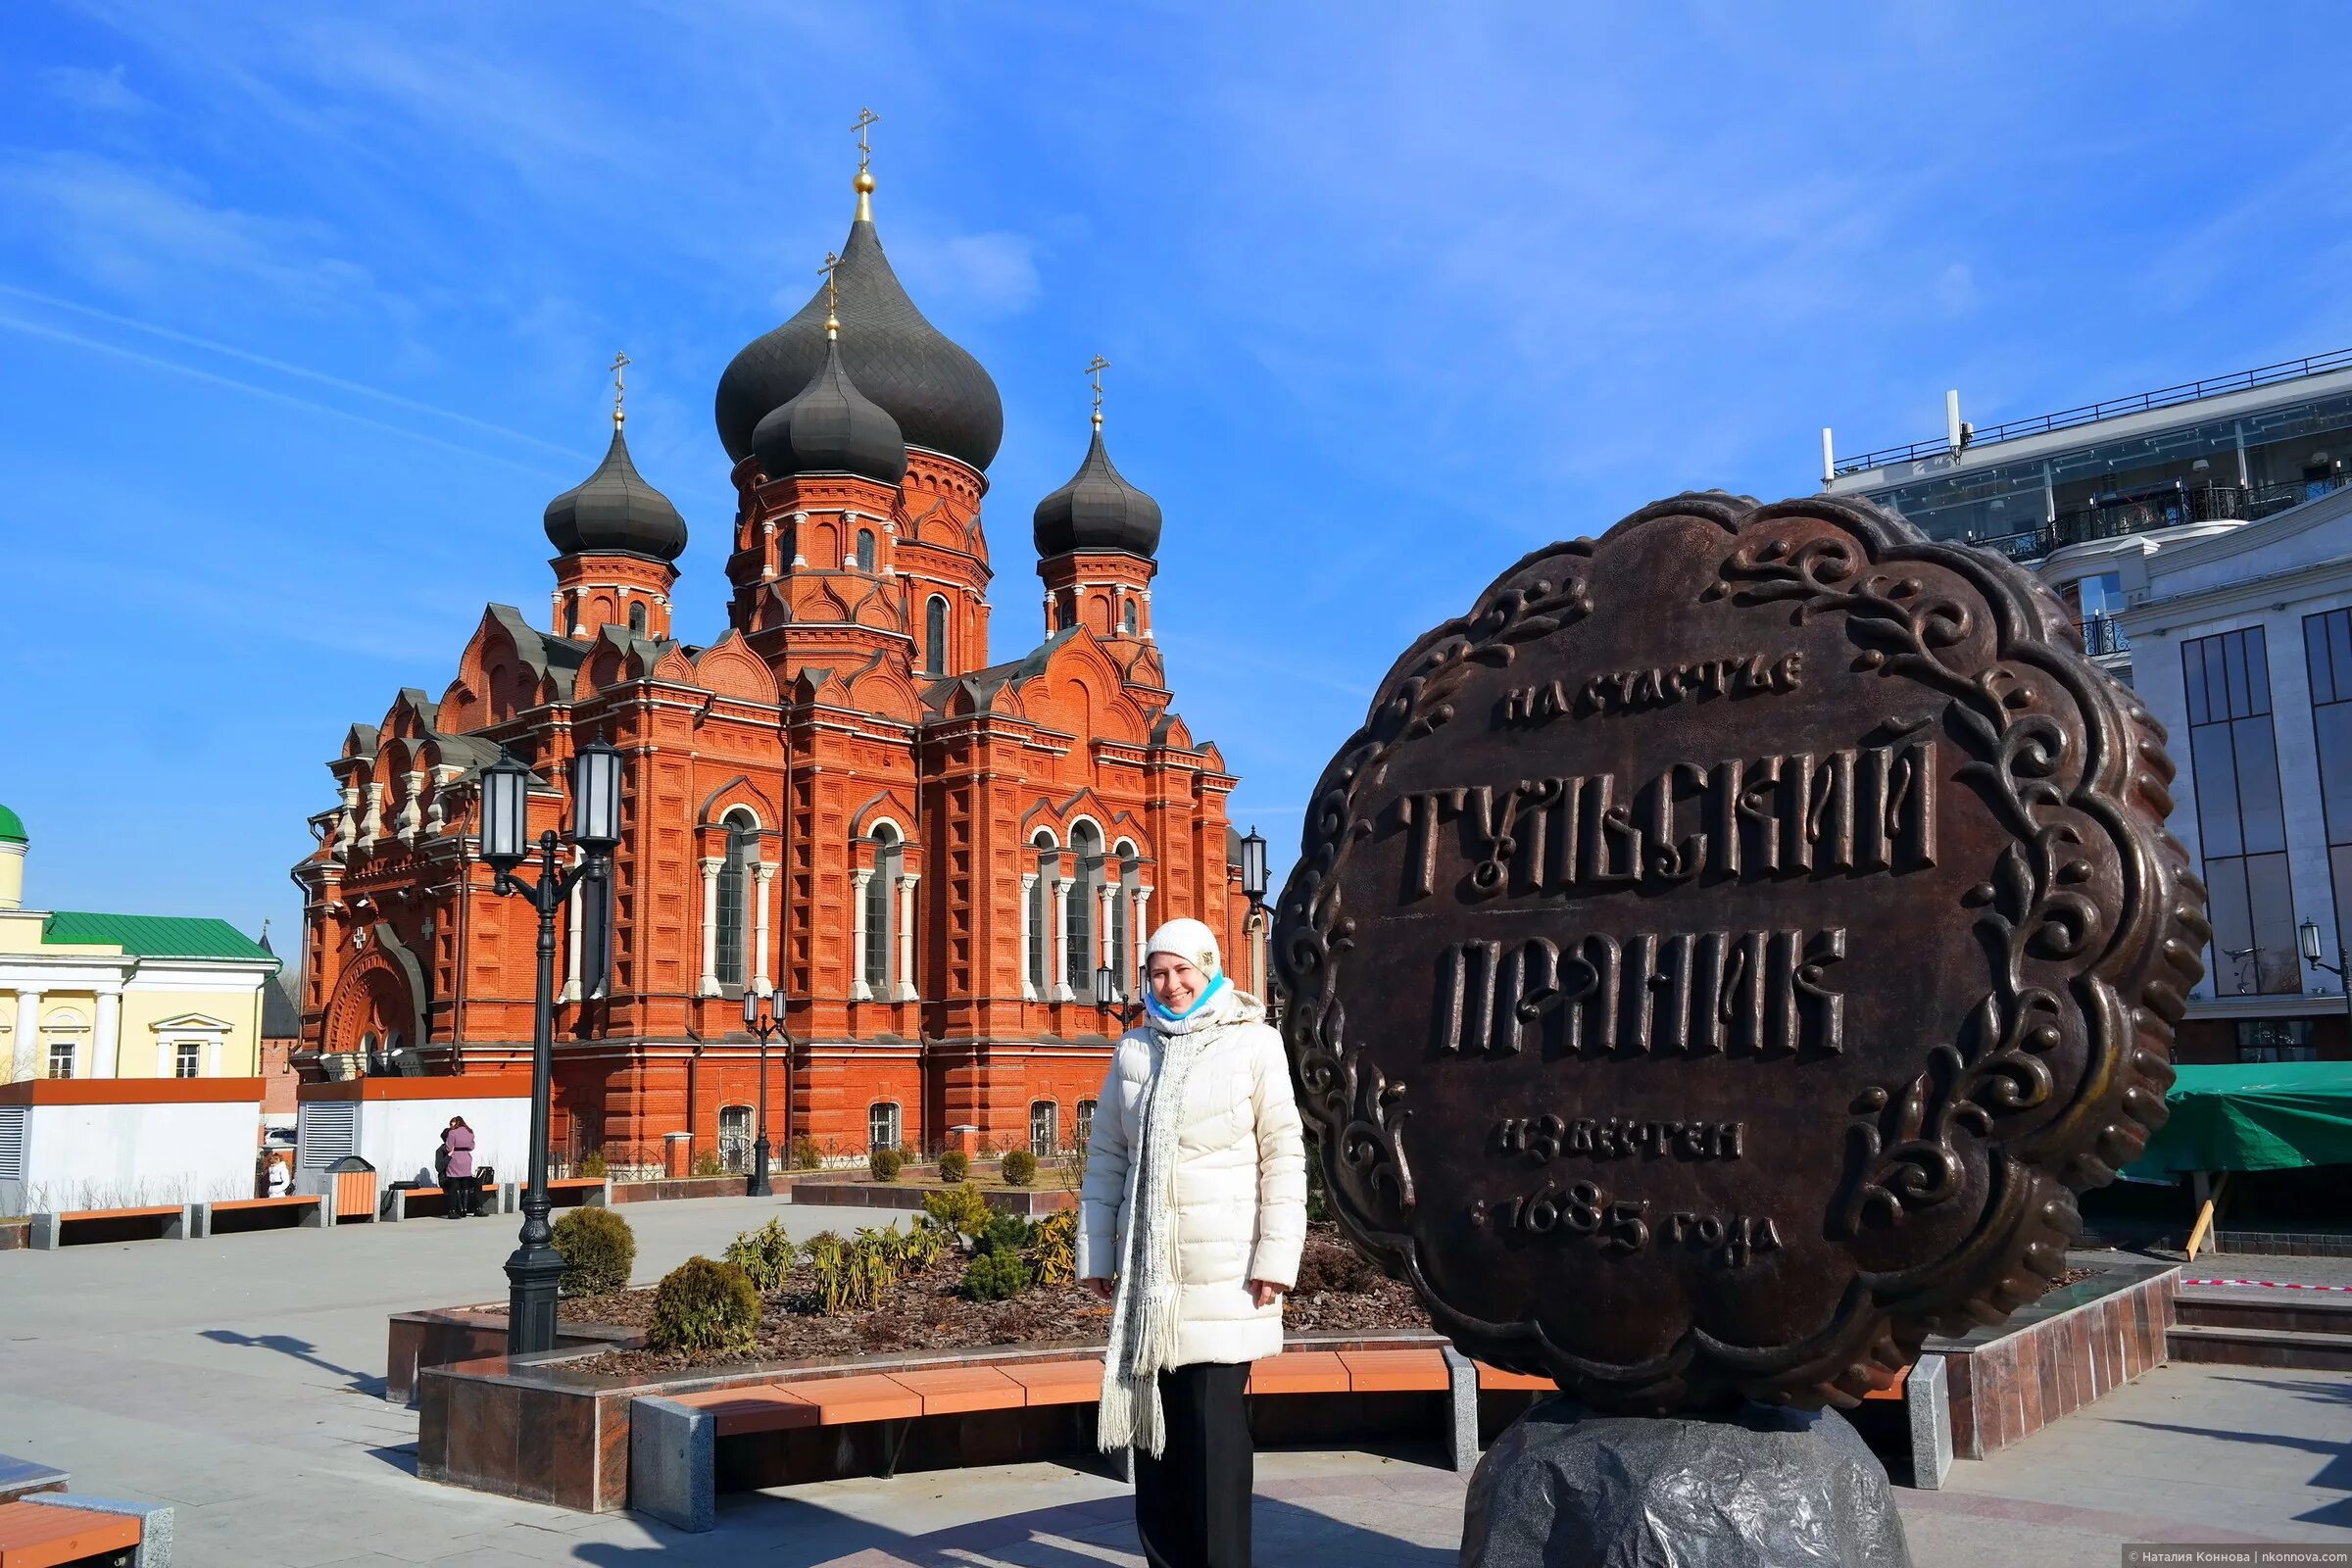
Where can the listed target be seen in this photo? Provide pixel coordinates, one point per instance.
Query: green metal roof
(11, 827)
(154, 936)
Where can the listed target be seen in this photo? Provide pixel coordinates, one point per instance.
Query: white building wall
(2269, 574)
(398, 1137)
(134, 1155)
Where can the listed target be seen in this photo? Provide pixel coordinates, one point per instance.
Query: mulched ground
(1337, 1290)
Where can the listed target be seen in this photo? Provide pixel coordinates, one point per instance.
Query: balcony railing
(2144, 511)
(2101, 635)
(2091, 413)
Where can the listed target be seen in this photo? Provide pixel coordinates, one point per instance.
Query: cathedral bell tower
(859, 347)
(617, 540)
(1095, 540)
(814, 566)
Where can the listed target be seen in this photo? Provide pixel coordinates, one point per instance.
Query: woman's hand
(1104, 1288)
(1266, 1293)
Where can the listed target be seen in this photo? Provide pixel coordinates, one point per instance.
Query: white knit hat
(1190, 941)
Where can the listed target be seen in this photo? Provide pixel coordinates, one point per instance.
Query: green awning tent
(2279, 1115)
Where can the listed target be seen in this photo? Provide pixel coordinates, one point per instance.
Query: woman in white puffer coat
(1196, 1212)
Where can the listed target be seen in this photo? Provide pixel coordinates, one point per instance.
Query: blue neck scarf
(1154, 1005)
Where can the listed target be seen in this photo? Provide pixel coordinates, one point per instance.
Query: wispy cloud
(56, 334)
(140, 231)
(102, 92)
(282, 367)
(994, 273)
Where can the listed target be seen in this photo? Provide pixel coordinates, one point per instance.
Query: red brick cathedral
(925, 856)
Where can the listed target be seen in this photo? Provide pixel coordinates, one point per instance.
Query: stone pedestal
(1760, 1488)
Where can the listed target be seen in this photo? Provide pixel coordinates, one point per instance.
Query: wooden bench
(173, 1222)
(673, 1440)
(55, 1530)
(398, 1199)
(308, 1211)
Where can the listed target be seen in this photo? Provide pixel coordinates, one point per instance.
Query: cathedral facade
(922, 858)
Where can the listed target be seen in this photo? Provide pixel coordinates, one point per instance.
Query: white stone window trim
(200, 1030)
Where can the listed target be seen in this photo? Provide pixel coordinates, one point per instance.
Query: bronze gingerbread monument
(1722, 953)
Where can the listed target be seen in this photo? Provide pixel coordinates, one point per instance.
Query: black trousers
(1192, 1503)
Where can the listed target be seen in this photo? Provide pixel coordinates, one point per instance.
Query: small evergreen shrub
(959, 1211)
(1053, 1248)
(954, 1165)
(702, 1306)
(598, 1250)
(765, 1255)
(885, 1164)
(1019, 1167)
(996, 1276)
(805, 1155)
(594, 1165)
(706, 1164)
(1006, 1233)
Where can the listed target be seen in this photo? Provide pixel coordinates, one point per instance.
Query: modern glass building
(2203, 536)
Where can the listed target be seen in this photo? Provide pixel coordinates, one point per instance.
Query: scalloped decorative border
(2137, 982)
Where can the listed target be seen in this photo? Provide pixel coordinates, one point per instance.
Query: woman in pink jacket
(463, 1199)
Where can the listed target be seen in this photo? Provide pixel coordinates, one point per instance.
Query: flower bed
(1338, 1290)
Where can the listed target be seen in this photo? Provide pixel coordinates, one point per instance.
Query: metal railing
(2092, 413)
(2116, 517)
(2101, 635)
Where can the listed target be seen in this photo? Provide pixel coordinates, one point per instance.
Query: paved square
(240, 1380)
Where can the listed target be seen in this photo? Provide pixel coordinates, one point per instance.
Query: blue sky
(303, 315)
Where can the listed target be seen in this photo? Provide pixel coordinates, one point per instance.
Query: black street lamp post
(767, 1026)
(535, 1267)
(1253, 888)
(2309, 933)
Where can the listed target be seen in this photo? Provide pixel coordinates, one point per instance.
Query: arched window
(1040, 913)
(935, 636)
(734, 1139)
(1044, 1117)
(1122, 907)
(865, 550)
(1086, 849)
(637, 619)
(1127, 619)
(889, 857)
(882, 1125)
(1086, 1123)
(734, 896)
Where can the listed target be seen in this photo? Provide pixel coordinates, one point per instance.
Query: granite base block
(155, 1523)
(672, 1463)
(1567, 1488)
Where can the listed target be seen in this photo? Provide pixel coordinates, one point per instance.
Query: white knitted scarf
(1145, 1314)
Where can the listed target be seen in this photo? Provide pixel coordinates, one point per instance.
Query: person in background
(277, 1178)
(463, 1199)
(1195, 1217)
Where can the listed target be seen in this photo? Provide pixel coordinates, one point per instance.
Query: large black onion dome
(615, 511)
(831, 428)
(939, 395)
(1098, 510)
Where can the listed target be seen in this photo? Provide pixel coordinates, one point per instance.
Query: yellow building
(122, 996)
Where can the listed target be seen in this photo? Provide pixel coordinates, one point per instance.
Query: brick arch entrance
(375, 1000)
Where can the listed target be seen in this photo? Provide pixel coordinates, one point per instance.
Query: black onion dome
(1098, 510)
(939, 395)
(615, 511)
(831, 428)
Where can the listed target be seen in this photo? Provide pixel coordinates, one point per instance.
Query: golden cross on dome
(1095, 370)
(620, 361)
(865, 117)
(832, 294)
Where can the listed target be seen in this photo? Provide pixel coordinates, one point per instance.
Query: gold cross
(1095, 370)
(865, 117)
(832, 292)
(620, 363)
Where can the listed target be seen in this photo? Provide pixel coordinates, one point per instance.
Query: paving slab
(239, 1380)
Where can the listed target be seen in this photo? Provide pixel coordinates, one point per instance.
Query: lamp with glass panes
(535, 1267)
